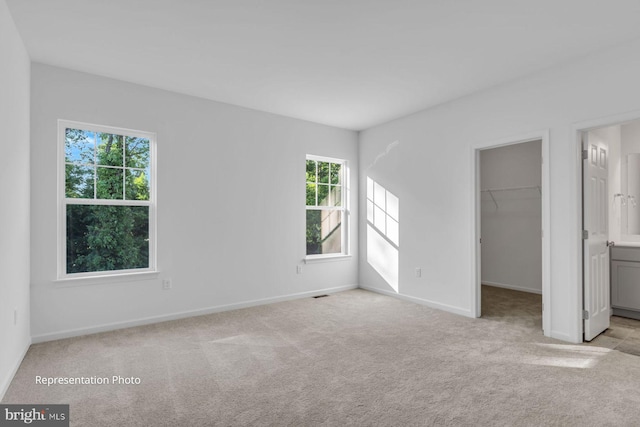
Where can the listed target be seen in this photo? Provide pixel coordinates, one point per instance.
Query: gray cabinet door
(625, 285)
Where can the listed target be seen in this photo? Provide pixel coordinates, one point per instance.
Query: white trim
(576, 257)
(344, 207)
(6, 382)
(476, 279)
(476, 260)
(546, 232)
(62, 201)
(564, 337)
(325, 208)
(312, 259)
(184, 314)
(107, 202)
(105, 128)
(576, 333)
(317, 158)
(346, 189)
(81, 279)
(428, 303)
(512, 287)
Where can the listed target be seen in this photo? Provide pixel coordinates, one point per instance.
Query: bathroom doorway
(610, 224)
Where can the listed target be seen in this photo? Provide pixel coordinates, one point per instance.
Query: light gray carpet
(353, 358)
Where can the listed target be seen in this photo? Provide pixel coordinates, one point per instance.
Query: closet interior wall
(511, 216)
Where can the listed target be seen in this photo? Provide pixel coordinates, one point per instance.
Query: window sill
(326, 258)
(107, 278)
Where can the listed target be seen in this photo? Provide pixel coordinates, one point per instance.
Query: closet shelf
(495, 190)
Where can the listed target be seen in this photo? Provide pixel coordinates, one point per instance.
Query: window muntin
(107, 189)
(325, 204)
(101, 165)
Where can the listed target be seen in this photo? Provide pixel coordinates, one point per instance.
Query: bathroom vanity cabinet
(625, 281)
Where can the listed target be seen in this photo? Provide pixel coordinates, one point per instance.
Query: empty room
(234, 213)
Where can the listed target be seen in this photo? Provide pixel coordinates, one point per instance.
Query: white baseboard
(428, 303)
(512, 287)
(6, 382)
(564, 337)
(184, 314)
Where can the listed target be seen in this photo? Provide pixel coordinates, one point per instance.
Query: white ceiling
(346, 63)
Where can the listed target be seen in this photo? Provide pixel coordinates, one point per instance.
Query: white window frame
(344, 208)
(63, 202)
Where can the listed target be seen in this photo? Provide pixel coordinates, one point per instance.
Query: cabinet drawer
(621, 253)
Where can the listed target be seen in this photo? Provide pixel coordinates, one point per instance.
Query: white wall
(429, 169)
(630, 136)
(511, 240)
(231, 197)
(14, 188)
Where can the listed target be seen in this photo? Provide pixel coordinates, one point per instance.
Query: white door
(596, 223)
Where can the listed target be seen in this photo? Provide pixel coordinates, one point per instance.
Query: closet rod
(491, 191)
(530, 187)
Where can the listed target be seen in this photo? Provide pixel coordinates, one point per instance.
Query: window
(326, 213)
(107, 200)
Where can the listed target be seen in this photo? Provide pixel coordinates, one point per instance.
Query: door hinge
(585, 315)
(585, 154)
(585, 234)
(481, 240)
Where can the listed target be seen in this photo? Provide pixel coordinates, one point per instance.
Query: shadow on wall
(383, 232)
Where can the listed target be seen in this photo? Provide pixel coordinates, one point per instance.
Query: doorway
(511, 212)
(610, 225)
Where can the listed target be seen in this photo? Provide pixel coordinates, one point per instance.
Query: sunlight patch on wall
(383, 232)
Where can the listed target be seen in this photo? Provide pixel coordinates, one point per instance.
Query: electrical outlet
(166, 284)
(299, 269)
(418, 272)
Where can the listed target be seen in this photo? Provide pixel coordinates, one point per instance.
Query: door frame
(576, 131)
(476, 252)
